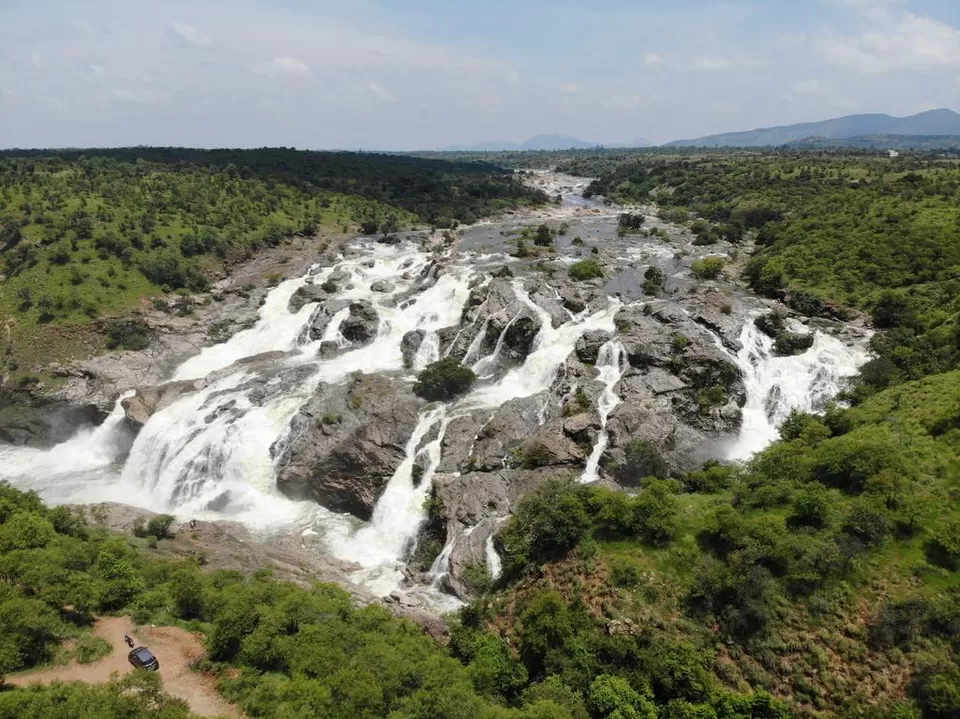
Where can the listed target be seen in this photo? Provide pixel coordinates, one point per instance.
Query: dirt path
(175, 648)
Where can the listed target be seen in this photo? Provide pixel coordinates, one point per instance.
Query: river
(213, 453)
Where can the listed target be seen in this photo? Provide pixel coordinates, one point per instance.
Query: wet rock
(384, 286)
(589, 344)
(33, 421)
(149, 400)
(520, 336)
(323, 316)
(361, 325)
(346, 443)
(306, 295)
(572, 300)
(409, 346)
(328, 349)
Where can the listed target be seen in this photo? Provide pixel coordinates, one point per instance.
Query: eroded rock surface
(346, 443)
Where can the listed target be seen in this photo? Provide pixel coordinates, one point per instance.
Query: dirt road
(175, 648)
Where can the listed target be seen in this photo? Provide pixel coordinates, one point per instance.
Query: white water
(775, 385)
(611, 364)
(214, 445)
(494, 564)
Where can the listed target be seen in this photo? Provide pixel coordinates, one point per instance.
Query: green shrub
(90, 649)
(548, 522)
(444, 380)
(129, 335)
(642, 460)
(612, 697)
(157, 527)
(585, 270)
(707, 268)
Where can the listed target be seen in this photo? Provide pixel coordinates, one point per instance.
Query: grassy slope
(101, 234)
(819, 650)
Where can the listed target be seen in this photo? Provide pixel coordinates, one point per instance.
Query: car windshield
(143, 654)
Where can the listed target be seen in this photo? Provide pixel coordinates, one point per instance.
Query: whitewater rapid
(777, 385)
(212, 453)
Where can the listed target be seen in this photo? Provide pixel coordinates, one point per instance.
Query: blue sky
(423, 74)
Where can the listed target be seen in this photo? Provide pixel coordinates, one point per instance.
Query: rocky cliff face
(346, 443)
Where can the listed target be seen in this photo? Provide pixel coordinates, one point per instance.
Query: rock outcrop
(147, 401)
(346, 443)
(305, 295)
(360, 326)
(589, 344)
(409, 346)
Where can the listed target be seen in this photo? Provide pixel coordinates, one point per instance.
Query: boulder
(520, 336)
(572, 300)
(384, 286)
(323, 316)
(589, 344)
(345, 444)
(409, 346)
(362, 324)
(147, 401)
(305, 295)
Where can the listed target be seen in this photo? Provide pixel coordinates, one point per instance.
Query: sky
(426, 74)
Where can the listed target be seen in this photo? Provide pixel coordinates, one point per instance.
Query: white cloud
(283, 66)
(721, 63)
(190, 35)
(652, 59)
(382, 93)
(791, 40)
(142, 95)
(626, 102)
(568, 88)
(809, 87)
(892, 42)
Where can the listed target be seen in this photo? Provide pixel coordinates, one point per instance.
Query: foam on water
(611, 364)
(776, 385)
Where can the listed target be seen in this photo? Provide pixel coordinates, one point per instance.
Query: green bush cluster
(444, 380)
(707, 268)
(585, 270)
(559, 515)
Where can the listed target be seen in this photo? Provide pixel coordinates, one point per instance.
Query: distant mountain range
(541, 143)
(933, 122)
(881, 142)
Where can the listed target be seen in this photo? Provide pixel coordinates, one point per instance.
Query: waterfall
(484, 367)
(400, 510)
(611, 364)
(477, 341)
(494, 563)
(775, 385)
(428, 352)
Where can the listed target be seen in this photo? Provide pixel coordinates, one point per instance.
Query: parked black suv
(142, 658)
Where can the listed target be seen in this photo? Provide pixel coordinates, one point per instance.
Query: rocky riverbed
(304, 418)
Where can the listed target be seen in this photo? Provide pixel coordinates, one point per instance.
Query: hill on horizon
(538, 142)
(932, 122)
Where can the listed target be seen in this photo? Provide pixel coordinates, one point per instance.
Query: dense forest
(823, 573)
(834, 232)
(274, 648)
(89, 233)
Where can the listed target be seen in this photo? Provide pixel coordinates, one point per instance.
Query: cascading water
(776, 385)
(611, 364)
(209, 452)
(494, 563)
